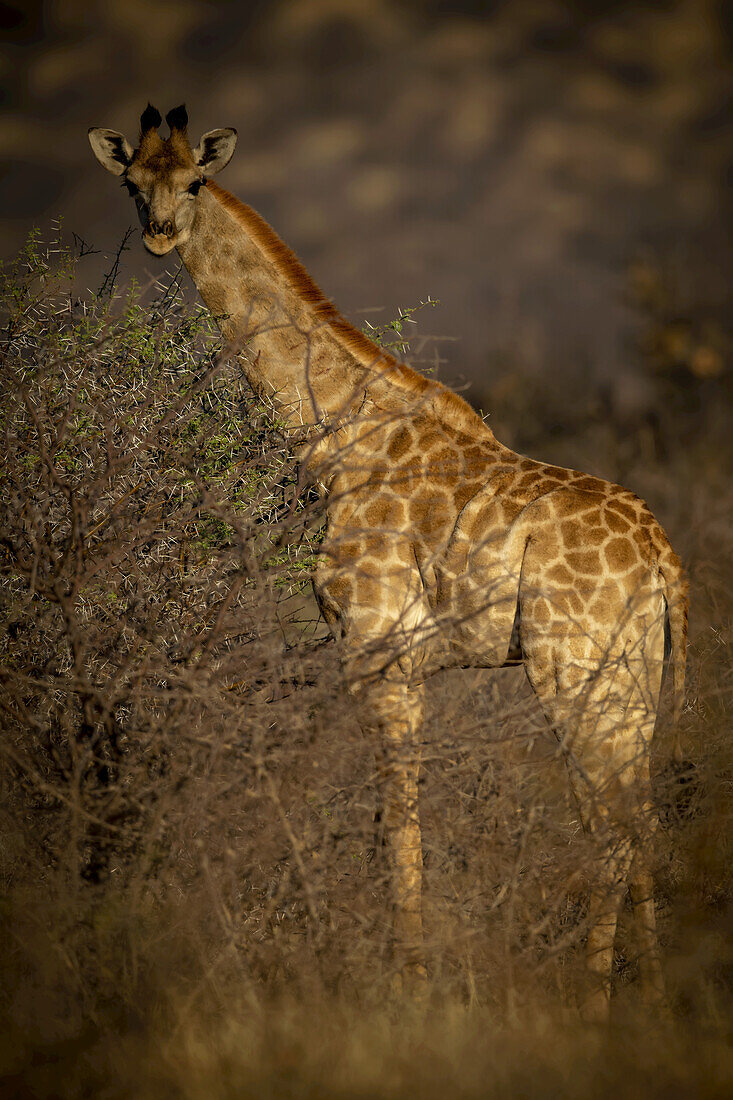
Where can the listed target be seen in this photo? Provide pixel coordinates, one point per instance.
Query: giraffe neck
(296, 349)
(292, 350)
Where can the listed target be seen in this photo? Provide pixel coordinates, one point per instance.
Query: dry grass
(192, 900)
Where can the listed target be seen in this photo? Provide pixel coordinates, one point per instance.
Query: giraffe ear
(112, 149)
(214, 151)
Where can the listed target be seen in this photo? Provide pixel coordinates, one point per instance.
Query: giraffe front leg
(605, 902)
(652, 978)
(379, 603)
(396, 715)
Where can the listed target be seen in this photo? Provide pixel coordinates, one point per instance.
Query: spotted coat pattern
(444, 548)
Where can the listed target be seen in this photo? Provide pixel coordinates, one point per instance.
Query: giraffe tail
(676, 597)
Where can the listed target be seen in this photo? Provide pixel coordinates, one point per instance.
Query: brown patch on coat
(584, 561)
(429, 512)
(589, 484)
(401, 442)
(340, 590)
(620, 555)
(567, 503)
(572, 534)
(616, 523)
(596, 536)
(560, 574)
(465, 492)
(558, 472)
(386, 512)
(541, 612)
(624, 509)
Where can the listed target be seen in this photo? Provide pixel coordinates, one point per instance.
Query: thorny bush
(188, 799)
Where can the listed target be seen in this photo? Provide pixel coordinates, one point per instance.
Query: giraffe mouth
(160, 244)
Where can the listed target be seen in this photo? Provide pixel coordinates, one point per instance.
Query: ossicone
(177, 118)
(150, 119)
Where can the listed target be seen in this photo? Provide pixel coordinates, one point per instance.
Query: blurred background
(554, 173)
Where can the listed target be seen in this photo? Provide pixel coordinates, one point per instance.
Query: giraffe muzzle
(159, 237)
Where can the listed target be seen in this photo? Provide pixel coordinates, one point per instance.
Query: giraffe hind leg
(653, 992)
(622, 870)
(604, 723)
(605, 901)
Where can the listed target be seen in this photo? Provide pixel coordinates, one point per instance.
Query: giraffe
(443, 548)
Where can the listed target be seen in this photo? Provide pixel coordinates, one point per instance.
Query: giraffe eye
(195, 187)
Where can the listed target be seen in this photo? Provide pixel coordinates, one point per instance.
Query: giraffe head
(163, 176)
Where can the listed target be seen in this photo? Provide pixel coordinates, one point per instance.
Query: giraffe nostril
(164, 229)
